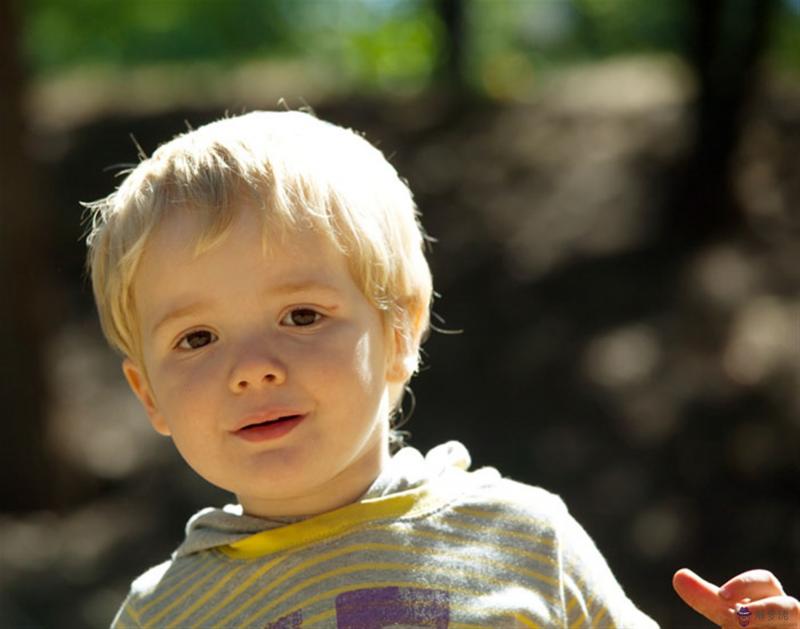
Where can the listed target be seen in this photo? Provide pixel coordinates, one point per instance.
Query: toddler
(264, 278)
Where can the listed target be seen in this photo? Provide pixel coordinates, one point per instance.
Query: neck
(343, 489)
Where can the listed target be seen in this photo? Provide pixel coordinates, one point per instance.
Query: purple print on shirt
(375, 608)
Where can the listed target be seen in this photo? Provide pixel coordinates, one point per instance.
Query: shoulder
(143, 586)
(147, 582)
(518, 504)
(504, 512)
(450, 463)
(509, 498)
(486, 494)
(164, 586)
(588, 589)
(149, 585)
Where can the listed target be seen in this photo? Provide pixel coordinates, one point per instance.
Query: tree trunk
(727, 39)
(451, 61)
(25, 319)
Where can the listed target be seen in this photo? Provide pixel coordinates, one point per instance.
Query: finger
(702, 596)
(754, 584)
(775, 611)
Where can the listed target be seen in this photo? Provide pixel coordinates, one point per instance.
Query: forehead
(170, 274)
(176, 238)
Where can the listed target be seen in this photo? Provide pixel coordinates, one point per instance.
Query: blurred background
(614, 186)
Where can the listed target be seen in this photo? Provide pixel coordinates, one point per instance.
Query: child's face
(256, 337)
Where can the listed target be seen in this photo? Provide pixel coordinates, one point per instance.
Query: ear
(137, 380)
(403, 361)
(406, 333)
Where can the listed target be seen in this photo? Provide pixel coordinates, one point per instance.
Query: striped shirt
(430, 544)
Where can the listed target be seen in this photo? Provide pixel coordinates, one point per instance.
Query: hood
(406, 470)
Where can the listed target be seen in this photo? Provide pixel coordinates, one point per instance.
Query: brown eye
(196, 340)
(302, 317)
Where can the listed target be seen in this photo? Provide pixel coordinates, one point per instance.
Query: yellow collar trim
(410, 503)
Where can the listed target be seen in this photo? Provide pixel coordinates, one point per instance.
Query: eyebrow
(291, 288)
(180, 313)
(287, 289)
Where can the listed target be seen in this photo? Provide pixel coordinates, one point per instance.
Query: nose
(256, 369)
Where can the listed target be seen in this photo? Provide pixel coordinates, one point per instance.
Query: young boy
(264, 278)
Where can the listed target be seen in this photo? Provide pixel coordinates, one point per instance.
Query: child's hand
(752, 599)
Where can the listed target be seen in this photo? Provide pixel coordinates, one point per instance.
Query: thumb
(701, 596)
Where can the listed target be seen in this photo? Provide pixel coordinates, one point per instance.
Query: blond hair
(302, 173)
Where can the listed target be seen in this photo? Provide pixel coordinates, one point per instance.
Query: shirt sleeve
(590, 594)
(126, 617)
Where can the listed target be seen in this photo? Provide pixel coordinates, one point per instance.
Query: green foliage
(380, 43)
(374, 42)
(566, 30)
(785, 46)
(515, 42)
(63, 33)
(605, 27)
(401, 51)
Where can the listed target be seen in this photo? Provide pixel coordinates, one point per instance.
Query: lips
(268, 426)
(267, 417)
(278, 420)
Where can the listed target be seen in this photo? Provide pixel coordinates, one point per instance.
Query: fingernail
(724, 593)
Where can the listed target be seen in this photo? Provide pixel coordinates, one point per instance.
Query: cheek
(350, 368)
(186, 390)
(368, 361)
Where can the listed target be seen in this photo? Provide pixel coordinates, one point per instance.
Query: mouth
(268, 429)
(271, 422)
